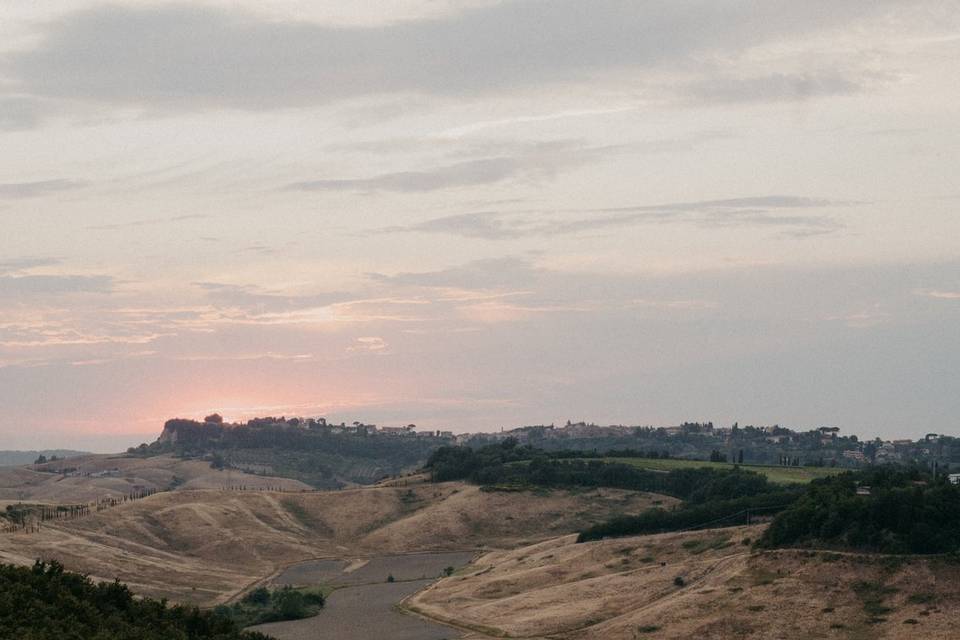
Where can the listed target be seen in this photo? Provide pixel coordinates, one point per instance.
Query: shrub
(907, 511)
(47, 603)
(260, 595)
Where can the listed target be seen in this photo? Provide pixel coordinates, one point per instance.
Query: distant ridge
(18, 458)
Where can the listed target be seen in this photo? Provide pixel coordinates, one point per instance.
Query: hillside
(316, 453)
(18, 458)
(204, 546)
(91, 477)
(627, 589)
(774, 473)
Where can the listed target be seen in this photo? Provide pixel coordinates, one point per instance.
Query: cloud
(16, 265)
(257, 301)
(16, 287)
(187, 56)
(493, 273)
(20, 114)
(763, 211)
(942, 295)
(37, 189)
(773, 87)
(534, 162)
(145, 222)
(370, 344)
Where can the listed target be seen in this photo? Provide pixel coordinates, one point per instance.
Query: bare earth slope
(626, 589)
(203, 546)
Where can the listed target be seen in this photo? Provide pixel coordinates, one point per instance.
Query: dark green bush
(904, 511)
(47, 603)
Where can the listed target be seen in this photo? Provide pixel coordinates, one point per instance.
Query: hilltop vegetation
(319, 455)
(47, 603)
(508, 464)
(711, 496)
(895, 511)
(781, 474)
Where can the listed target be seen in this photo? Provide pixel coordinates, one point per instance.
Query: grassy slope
(784, 475)
(203, 546)
(44, 483)
(625, 589)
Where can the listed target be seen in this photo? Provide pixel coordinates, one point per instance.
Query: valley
(203, 546)
(367, 592)
(505, 557)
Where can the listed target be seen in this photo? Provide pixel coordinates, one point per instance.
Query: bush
(718, 513)
(509, 465)
(47, 603)
(286, 603)
(260, 595)
(289, 604)
(906, 511)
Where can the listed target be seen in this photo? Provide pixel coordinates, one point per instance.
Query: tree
(289, 604)
(260, 595)
(41, 460)
(214, 418)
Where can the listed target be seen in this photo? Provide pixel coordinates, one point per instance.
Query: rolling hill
(203, 546)
(706, 584)
(19, 458)
(91, 477)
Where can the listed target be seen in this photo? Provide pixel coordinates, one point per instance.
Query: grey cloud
(255, 299)
(146, 222)
(531, 163)
(20, 114)
(507, 272)
(40, 285)
(15, 265)
(461, 174)
(187, 56)
(773, 87)
(36, 189)
(735, 212)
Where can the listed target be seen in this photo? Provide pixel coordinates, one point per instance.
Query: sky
(478, 214)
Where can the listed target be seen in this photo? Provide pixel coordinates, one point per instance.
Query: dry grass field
(203, 546)
(627, 589)
(45, 483)
(774, 473)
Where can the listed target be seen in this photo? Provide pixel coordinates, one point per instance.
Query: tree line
(262, 605)
(28, 518)
(508, 463)
(882, 509)
(712, 514)
(44, 602)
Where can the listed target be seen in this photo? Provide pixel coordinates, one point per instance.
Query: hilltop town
(769, 445)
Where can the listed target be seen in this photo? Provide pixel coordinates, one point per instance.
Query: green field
(782, 475)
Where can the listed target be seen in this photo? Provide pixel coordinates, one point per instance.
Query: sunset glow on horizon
(478, 214)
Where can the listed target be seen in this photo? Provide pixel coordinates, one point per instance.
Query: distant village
(824, 446)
